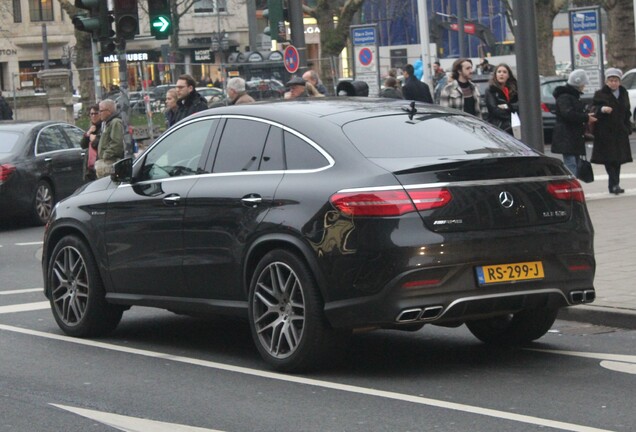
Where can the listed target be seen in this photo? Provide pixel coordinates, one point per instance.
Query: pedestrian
(296, 88)
(568, 138)
(6, 113)
(440, 79)
(502, 98)
(189, 100)
(390, 89)
(312, 77)
(414, 89)
(237, 93)
(312, 91)
(111, 141)
(171, 106)
(485, 67)
(461, 93)
(612, 130)
(90, 142)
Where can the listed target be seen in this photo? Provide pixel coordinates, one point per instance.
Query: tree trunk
(545, 12)
(621, 37)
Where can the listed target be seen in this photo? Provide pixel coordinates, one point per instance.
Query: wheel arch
(54, 237)
(268, 242)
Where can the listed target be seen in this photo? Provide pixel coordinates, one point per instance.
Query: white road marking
(598, 356)
(22, 291)
(25, 307)
(629, 368)
(314, 382)
(38, 243)
(131, 424)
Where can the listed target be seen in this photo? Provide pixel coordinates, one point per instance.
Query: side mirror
(122, 171)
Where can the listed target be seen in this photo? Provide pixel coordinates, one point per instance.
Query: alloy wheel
(279, 310)
(70, 286)
(43, 202)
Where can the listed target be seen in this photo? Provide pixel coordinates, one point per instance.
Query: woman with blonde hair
(171, 106)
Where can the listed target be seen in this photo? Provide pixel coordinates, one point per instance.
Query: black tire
(514, 329)
(43, 202)
(77, 293)
(286, 314)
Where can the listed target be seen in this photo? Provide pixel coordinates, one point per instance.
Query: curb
(600, 315)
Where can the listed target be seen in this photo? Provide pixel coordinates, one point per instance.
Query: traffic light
(126, 18)
(160, 18)
(98, 22)
(275, 14)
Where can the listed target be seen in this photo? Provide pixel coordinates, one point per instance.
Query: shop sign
(201, 55)
(131, 57)
(8, 52)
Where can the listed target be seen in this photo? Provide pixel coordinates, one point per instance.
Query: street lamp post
(68, 58)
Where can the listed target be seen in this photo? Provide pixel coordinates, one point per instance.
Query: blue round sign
(365, 56)
(586, 46)
(291, 59)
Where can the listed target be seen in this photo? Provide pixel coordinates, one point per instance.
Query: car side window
(51, 139)
(301, 155)
(273, 156)
(241, 146)
(179, 153)
(74, 135)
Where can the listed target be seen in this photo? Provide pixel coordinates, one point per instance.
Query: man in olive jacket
(190, 101)
(111, 141)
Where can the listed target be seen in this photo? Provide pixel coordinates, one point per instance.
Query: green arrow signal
(161, 24)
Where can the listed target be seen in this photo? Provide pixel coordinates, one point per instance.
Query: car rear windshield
(8, 141)
(430, 135)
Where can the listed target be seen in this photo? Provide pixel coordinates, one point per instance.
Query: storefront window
(41, 10)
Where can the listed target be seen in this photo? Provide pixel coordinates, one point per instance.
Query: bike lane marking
(25, 307)
(616, 362)
(471, 409)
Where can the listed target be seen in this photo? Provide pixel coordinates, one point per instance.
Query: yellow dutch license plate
(510, 272)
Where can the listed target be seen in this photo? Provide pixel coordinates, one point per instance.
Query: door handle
(252, 200)
(172, 200)
(48, 159)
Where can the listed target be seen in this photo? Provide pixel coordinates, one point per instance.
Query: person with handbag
(502, 98)
(568, 137)
(611, 132)
(90, 141)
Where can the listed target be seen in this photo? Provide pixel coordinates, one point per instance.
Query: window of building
(41, 10)
(210, 6)
(17, 11)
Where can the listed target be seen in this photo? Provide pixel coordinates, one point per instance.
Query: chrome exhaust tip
(589, 296)
(408, 315)
(577, 297)
(431, 312)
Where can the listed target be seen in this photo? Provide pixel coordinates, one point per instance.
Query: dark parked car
(548, 103)
(40, 163)
(312, 219)
(265, 89)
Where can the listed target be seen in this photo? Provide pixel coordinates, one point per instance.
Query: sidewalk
(614, 220)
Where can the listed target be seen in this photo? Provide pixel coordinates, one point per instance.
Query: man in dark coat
(414, 89)
(6, 113)
(611, 132)
(568, 138)
(190, 101)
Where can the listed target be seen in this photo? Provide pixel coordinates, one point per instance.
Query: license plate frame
(510, 273)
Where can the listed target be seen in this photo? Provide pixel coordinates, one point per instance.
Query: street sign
(366, 67)
(291, 59)
(365, 56)
(586, 46)
(584, 21)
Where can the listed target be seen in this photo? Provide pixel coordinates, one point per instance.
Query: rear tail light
(390, 203)
(544, 107)
(5, 172)
(569, 190)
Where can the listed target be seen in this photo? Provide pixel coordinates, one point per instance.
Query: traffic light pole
(97, 81)
(528, 74)
(298, 31)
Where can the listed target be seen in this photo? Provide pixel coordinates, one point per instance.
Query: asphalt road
(160, 371)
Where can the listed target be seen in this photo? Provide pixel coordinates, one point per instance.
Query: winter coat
(416, 90)
(452, 97)
(611, 131)
(242, 98)
(571, 117)
(193, 103)
(6, 113)
(111, 141)
(91, 153)
(391, 93)
(500, 117)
